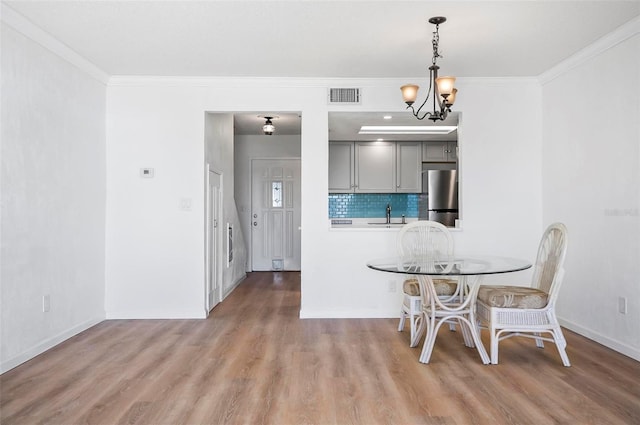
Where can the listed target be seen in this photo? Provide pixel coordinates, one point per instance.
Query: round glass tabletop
(458, 265)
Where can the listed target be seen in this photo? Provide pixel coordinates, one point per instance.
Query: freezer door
(446, 218)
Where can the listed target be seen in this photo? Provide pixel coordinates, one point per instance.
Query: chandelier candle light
(444, 94)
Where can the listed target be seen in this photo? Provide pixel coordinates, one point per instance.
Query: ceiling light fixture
(441, 88)
(268, 128)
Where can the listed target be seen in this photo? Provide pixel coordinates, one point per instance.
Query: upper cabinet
(375, 167)
(439, 151)
(341, 166)
(408, 167)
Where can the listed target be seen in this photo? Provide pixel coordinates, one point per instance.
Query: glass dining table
(468, 271)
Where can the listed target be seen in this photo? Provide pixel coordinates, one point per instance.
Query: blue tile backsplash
(372, 205)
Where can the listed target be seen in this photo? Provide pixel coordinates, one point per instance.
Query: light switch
(146, 173)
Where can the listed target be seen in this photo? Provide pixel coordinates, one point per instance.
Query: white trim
(299, 82)
(235, 284)
(157, 314)
(605, 43)
(349, 314)
(35, 33)
(47, 344)
(618, 346)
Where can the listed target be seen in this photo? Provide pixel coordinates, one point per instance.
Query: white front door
(213, 287)
(275, 214)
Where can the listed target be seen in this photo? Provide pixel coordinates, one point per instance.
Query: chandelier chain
(435, 42)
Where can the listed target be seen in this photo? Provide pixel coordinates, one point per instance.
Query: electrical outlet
(185, 204)
(622, 305)
(46, 303)
(392, 286)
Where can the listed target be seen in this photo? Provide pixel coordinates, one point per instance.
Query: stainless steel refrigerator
(442, 196)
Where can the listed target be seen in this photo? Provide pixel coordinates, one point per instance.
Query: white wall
(155, 251)
(500, 200)
(154, 248)
(53, 198)
(246, 149)
(591, 181)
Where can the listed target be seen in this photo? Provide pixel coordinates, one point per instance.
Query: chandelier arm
(416, 114)
(426, 99)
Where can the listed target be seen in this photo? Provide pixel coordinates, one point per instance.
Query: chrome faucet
(388, 213)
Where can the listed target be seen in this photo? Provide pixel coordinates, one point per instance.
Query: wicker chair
(424, 239)
(509, 311)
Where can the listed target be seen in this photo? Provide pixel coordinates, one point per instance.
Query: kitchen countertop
(371, 224)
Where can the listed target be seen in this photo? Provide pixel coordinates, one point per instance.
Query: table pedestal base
(435, 313)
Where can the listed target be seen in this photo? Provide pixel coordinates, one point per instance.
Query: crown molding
(25, 27)
(619, 35)
(204, 81)
(293, 82)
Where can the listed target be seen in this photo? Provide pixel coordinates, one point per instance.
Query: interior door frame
(218, 242)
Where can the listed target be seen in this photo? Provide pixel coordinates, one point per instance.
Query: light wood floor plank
(255, 362)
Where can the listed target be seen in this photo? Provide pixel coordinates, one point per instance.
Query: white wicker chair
(529, 311)
(424, 239)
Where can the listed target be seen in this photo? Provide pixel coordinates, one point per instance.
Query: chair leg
(402, 317)
(494, 344)
(561, 344)
(539, 341)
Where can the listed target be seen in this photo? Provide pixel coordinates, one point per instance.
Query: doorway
(275, 214)
(213, 291)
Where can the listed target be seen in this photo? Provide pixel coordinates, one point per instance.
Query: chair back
(422, 242)
(549, 265)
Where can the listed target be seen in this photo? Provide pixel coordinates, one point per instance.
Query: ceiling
(345, 126)
(324, 38)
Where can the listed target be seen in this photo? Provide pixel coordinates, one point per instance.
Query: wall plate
(146, 173)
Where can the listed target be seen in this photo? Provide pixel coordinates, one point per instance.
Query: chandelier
(441, 88)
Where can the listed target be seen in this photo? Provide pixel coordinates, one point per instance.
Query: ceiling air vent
(344, 95)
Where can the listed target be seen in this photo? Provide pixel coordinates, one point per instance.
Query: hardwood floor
(254, 362)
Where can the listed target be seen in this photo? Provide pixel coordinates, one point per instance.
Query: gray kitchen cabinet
(341, 167)
(408, 167)
(375, 167)
(439, 152)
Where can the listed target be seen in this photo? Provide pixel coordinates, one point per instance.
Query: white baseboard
(234, 285)
(618, 346)
(348, 314)
(47, 344)
(155, 315)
